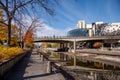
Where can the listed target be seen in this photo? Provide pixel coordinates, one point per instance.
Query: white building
(89, 26)
(81, 24)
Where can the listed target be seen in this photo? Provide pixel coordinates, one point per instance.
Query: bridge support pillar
(61, 45)
(103, 66)
(102, 46)
(95, 76)
(74, 52)
(114, 66)
(111, 46)
(65, 57)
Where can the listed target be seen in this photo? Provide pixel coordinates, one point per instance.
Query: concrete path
(31, 68)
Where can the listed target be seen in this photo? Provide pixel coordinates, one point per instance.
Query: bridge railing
(67, 37)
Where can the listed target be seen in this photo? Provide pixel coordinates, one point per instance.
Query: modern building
(95, 29)
(81, 24)
(98, 27)
(78, 32)
(88, 26)
(111, 29)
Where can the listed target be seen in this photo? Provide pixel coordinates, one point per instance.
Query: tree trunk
(9, 33)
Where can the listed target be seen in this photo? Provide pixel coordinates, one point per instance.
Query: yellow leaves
(7, 52)
(1, 13)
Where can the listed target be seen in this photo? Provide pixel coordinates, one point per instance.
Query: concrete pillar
(69, 47)
(60, 45)
(114, 66)
(63, 46)
(111, 46)
(49, 68)
(74, 47)
(103, 66)
(74, 52)
(102, 48)
(65, 57)
(95, 76)
(74, 61)
(42, 58)
(92, 76)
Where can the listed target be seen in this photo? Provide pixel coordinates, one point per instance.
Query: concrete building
(111, 29)
(81, 24)
(97, 27)
(116, 23)
(88, 26)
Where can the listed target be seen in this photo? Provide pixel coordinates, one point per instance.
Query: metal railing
(64, 37)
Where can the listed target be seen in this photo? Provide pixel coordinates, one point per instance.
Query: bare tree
(13, 9)
(28, 24)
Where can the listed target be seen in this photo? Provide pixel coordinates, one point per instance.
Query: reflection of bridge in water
(104, 57)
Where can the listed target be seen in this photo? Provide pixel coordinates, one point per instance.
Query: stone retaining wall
(8, 64)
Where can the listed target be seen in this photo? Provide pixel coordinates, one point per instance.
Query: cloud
(50, 31)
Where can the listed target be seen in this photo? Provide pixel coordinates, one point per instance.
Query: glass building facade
(78, 32)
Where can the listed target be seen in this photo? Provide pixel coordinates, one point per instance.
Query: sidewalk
(31, 68)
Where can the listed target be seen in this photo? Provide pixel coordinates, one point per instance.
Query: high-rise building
(81, 24)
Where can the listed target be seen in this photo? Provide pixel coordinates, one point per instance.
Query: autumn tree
(3, 31)
(28, 28)
(3, 28)
(29, 39)
(98, 44)
(13, 10)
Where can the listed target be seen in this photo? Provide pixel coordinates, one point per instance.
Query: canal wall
(6, 65)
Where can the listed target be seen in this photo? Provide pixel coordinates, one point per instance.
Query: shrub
(9, 52)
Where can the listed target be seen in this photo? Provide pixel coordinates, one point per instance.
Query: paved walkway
(31, 68)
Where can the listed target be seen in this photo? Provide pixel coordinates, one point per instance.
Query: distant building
(98, 27)
(88, 26)
(111, 29)
(95, 29)
(81, 24)
(77, 32)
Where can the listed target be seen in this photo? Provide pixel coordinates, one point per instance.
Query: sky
(69, 12)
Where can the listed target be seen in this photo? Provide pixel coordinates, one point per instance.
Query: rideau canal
(85, 69)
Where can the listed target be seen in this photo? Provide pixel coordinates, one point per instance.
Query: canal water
(86, 70)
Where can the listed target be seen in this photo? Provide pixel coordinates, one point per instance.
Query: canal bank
(32, 68)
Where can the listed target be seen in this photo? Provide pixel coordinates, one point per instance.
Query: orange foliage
(98, 65)
(97, 44)
(29, 36)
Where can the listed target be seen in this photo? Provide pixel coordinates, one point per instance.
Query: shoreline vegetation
(9, 52)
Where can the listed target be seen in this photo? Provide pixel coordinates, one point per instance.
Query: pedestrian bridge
(76, 39)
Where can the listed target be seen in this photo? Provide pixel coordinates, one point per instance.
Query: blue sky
(69, 12)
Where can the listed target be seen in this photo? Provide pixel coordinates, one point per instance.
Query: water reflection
(88, 69)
